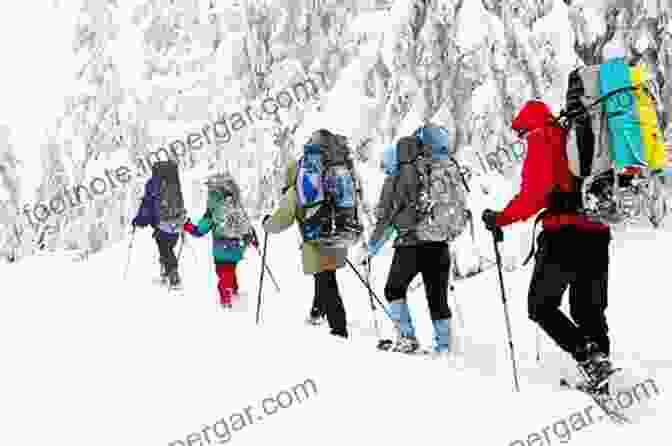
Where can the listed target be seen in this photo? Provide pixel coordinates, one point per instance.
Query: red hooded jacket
(544, 167)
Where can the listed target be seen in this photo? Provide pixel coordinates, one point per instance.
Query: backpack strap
(566, 115)
(568, 206)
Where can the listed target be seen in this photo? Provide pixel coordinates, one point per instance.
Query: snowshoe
(174, 281)
(601, 396)
(406, 345)
(316, 320)
(385, 344)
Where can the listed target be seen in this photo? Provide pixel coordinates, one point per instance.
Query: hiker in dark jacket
(572, 251)
(166, 235)
(411, 256)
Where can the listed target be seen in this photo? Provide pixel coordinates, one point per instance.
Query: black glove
(489, 217)
(251, 238)
(265, 219)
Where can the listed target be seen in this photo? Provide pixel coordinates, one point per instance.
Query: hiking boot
(174, 280)
(163, 275)
(316, 318)
(227, 307)
(597, 368)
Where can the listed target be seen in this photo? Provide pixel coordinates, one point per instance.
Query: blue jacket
(148, 213)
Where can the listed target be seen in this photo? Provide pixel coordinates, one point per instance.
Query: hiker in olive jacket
(318, 261)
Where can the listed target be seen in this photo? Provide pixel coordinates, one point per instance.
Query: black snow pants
(328, 301)
(432, 260)
(167, 256)
(578, 260)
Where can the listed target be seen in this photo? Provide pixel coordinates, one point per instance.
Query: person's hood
(533, 115)
(219, 183)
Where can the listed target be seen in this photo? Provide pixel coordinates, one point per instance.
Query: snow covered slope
(90, 359)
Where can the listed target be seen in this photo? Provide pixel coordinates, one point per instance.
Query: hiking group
(582, 171)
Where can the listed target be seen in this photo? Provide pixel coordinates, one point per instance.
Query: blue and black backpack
(329, 191)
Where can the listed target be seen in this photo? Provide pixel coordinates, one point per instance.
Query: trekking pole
(179, 252)
(451, 290)
(371, 302)
(498, 236)
(128, 256)
(270, 274)
(371, 293)
(537, 343)
(261, 276)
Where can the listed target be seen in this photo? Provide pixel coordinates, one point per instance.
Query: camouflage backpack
(431, 186)
(171, 201)
(229, 219)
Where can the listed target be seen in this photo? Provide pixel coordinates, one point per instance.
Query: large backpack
(430, 186)
(171, 201)
(229, 219)
(329, 191)
(615, 144)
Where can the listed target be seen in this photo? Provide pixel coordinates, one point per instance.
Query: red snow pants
(228, 282)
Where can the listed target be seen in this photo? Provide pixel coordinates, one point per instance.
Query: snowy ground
(90, 359)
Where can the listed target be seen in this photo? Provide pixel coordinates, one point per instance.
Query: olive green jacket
(314, 258)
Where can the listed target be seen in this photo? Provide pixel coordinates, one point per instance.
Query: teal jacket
(223, 250)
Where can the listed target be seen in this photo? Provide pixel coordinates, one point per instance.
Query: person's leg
(329, 295)
(160, 248)
(317, 310)
(225, 274)
(435, 269)
(402, 271)
(234, 267)
(167, 256)
(550, 279)
(588, 293)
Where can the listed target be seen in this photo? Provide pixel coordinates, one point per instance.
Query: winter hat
(436, 137)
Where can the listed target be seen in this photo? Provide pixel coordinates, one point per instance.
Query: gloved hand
(252, 239)
(489, 218)
(265, 219)
(187, 225)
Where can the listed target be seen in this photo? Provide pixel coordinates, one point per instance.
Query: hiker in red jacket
(572, 251)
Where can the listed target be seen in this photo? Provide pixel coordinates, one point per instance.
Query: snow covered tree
(13, 244)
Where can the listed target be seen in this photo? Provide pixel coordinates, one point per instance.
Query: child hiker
(231, 233)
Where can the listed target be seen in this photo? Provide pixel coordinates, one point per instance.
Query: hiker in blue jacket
(165, 234)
